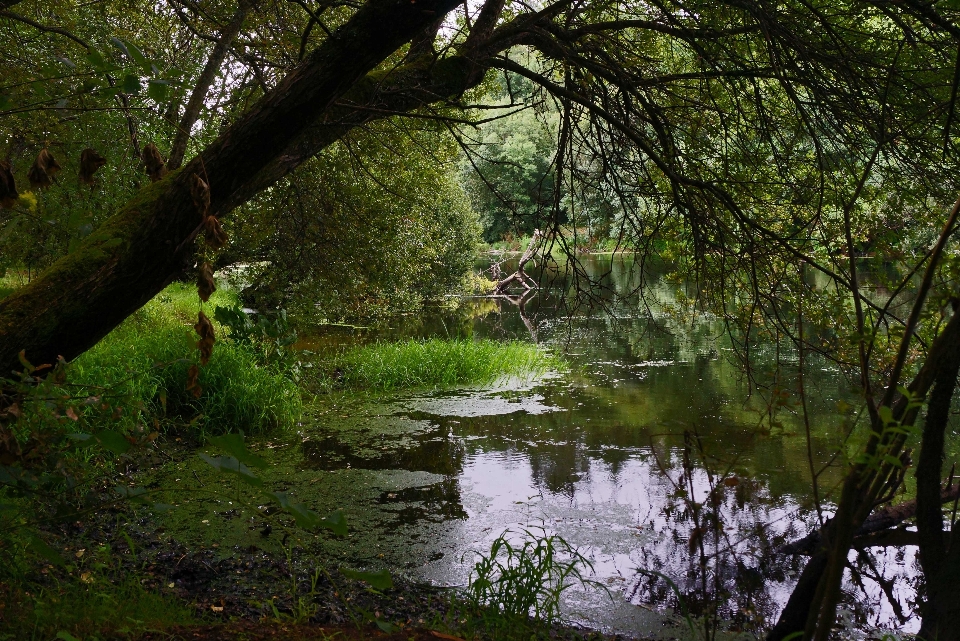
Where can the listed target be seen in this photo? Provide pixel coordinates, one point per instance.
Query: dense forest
(190, 189)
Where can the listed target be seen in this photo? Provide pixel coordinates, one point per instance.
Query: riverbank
(126, 578)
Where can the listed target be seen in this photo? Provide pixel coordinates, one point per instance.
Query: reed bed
(436, 364)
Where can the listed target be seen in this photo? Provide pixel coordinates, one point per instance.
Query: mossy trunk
(143, 247)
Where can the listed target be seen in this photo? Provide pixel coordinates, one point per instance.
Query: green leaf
(386, 626)
(137, 56)
(39, 546)
(113, 442)
(96, 60)
(304, 516)
(885, 414)
(379, 580)
(63, 635)
(158, 89)
(16, 477)
(83, 440)
(336, 522)
(234, 445)
(162, 507)
(893, 460)
(131, 84)
(5, 102)
(119, 44)
(231, 465)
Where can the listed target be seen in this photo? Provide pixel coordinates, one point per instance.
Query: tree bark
(138, 251)
(879, 521)
(941, 608)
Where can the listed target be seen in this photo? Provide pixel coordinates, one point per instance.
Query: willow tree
(762, 141)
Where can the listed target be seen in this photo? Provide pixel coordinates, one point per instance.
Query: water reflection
(654, 456)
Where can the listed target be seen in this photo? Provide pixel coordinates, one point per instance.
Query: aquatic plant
(525, 578)
(435, 363)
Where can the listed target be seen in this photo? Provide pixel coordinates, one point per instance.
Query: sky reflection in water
(655, 413)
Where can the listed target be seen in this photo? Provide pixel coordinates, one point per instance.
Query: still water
(653, 455)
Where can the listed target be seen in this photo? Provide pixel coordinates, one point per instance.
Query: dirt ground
(254, 631)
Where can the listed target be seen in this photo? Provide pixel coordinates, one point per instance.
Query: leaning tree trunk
(142, 248)
(521, 276)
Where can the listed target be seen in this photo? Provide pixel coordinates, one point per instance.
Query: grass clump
(435, 363)
(146, 359)
(515, 590)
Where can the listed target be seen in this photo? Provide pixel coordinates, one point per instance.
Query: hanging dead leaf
(153, 162)
(192, 385)
(205, 284)
(204, 329)
(43, 169)
(213, 233)
(90, 162)
(8, 187)
(696, 537)
(200, 191)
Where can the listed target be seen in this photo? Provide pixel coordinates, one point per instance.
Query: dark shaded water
(652, 455)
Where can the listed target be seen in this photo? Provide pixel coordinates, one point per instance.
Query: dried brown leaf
(90, 162)
(200, 192)
(213, 233)
(43, 168)
(153, 162)
(696, 536)
(204, 329)
(192, 385)
(205, 283)
(8, 187)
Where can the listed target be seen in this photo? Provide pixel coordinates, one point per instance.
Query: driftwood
(875, 530)
(520, 276)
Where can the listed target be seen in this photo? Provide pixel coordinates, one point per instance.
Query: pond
(654, 456)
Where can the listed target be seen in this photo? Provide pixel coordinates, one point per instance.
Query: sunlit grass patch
(435, 363)
(145, 360)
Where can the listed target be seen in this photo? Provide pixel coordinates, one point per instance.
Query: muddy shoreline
(252, 587)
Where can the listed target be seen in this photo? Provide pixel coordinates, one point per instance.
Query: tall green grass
(435, 364)
(144, 364)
